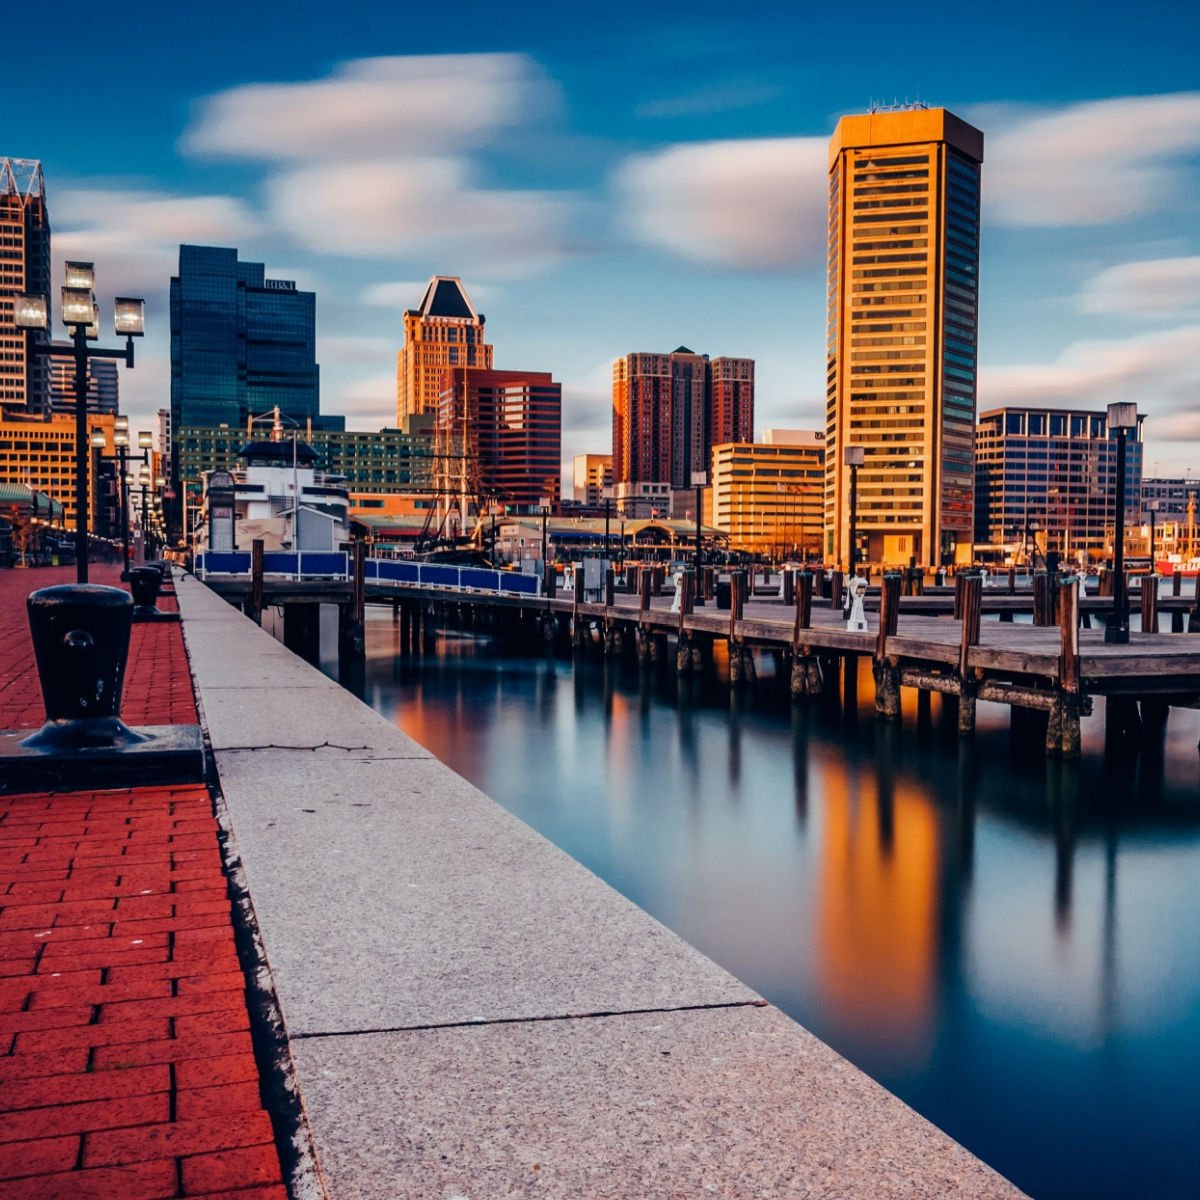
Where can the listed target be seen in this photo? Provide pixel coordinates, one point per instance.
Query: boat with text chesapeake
(1175, 564)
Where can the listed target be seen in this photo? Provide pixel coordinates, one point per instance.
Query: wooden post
(804, 595)
(1042, 608)
(887, 671)
(609, 586)
(644, 590)
(788, 588)
(1177, 583)
(683, 653)
(1012, 581)
(656, 580)
(256, 580)
(577, 633)
(550, 580)
(1149, 603)
(972, 604)
(835, 590)
(957, 612)
(1062, 732)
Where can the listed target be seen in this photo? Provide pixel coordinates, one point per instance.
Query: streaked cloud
(399, 106)
(750, 204)
(1159, 370)
(1156, 287)
(421, 208)
(388, 158)
(720, 97)
(1094, 163)
(133, 236)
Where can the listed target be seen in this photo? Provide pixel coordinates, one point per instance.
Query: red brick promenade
(126, 1069)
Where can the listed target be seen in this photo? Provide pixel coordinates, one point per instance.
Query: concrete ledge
(733, 1102)
(472, 1013)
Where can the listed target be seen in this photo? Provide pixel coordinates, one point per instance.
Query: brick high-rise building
(668, 409)
(591, 478)
(731, 406)
(500, 433)
(903, 304)
(444, 333)
(24, 269)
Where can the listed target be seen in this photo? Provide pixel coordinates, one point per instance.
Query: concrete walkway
(469, 1013)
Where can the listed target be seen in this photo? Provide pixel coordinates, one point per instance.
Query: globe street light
(1122, 417)
(80, 315)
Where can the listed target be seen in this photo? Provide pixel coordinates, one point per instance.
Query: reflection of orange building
(877, 922)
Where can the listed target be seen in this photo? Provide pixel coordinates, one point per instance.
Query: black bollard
(80, 638)
(145, 583)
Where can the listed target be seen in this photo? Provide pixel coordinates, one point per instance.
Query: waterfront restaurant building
(1048, 477)
(903, 271)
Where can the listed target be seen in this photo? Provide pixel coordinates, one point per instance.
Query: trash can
(724, 594)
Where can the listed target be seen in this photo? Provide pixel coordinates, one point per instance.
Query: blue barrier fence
(311, 564)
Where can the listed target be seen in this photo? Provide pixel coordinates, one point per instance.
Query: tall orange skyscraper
(444, 333)
(902, 322)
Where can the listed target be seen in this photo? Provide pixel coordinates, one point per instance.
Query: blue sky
(617, 179)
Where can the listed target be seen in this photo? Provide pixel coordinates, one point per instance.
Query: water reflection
(1007, 942)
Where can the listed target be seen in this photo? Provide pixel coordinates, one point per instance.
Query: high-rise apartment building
(1048, 476)
(591, 478)
(903, 273)
(241, 344)
(669, 408)
(24, 269)
(444, 333)
(501, 433)
(731, 400)
(103, 390)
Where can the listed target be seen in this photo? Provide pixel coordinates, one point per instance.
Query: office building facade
(667, 409)
(103, 385)
(500, 433)
(241, 344)
(591, 478)
(39, 452)
(1047, 477)
(902, 322)
(24, 269)
(388, 461)
(443, 334)
(768, 496)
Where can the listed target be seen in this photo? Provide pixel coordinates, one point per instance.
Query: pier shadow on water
(1008, 942)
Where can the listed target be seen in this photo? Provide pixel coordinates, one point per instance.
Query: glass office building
(241, 344)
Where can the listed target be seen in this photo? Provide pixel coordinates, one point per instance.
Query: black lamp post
(1121, 418)
(607, 522)
(699, 482)
(123, 458)
(854, 457)
(81, 317)
(545, 517)
(1152, 509)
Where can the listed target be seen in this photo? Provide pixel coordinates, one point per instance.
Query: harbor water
(1010, 944)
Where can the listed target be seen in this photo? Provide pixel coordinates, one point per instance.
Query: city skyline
(593, 208)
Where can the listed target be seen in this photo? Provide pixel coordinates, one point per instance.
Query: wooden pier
(934, 642)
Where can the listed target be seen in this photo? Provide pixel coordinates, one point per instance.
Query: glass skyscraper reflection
(240, 344)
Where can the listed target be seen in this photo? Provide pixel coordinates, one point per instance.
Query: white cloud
(391, 209)
(354, 350)
(1088, 164)
(367, 403)
(401, 106)
(134, 236)
(757, 203)
(1153, 288)
(1159, 370)
(715, 98)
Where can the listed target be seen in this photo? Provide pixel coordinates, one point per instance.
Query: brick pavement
(126, 1066)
